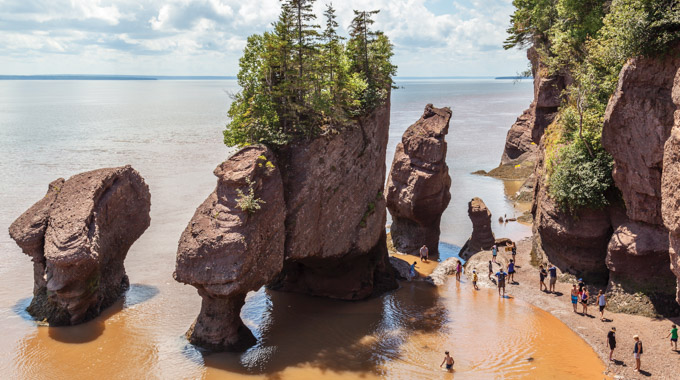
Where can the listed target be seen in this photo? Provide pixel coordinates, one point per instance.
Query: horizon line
(205, 77)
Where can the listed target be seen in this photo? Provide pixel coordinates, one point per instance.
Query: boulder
(442, 272)
(519, 143)
(638, 121)
(233, 244)
(401, 267)
(482, 237)
(78, 236)
(418, 185)
(335, 222)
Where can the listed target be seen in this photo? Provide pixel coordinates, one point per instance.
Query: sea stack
(233, 244)
(417, 190)
(78, 236)
(482, 237)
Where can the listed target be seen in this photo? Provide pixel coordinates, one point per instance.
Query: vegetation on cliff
(299, 81)
(587, 42)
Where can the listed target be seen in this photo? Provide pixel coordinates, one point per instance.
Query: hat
(474, 271)
(636, 337)
(580, 279)
(613, 328)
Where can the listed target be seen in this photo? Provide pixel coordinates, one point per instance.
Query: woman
(601, 302)
(574, 298)
(511, 271)
(494, 252)
(584, 301)
(459, 270)
(543, 274)
(514, 251)
(637, 352)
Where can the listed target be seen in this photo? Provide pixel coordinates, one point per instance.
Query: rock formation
(335, 222)
(78, 236)
(418, 185)
(230, 248)
(670, 187)
(482, 237)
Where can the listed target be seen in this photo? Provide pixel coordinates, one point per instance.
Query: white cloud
(431, 37)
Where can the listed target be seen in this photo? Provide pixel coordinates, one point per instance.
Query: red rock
(418, 185)
(227, 251)
(78, 237)
(482, 237)
(638, 122)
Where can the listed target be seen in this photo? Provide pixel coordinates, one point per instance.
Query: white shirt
(601, 300)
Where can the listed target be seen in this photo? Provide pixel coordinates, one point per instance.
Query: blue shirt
(511, 267)
(553, 271)
(501, 275)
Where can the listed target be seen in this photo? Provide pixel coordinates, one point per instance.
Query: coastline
(658, 360)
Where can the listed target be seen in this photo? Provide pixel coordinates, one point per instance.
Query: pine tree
(361, 37)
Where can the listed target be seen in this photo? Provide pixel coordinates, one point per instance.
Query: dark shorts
(601, 308)
(612, 346)
(542, 278)
(449, 366)
(474, 282)
(501, 283)
(674, 340)
(511, 272)
(584, 302)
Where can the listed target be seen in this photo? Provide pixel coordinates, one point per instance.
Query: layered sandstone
(417, 189)
(230, 247)
(78, 236)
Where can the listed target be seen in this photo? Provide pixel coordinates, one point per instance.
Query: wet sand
(658, 360)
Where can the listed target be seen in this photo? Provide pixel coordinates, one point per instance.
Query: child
(674, 337)
(412, 271)
(490, 270)
(494, 252)
(459, 270)
(543, 274)
(474, 279)
(449, 362)
(611, 341)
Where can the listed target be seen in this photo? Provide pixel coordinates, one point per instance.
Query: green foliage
(298, 82)
(247, 202)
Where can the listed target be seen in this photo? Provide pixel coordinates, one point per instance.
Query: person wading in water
(448, 360)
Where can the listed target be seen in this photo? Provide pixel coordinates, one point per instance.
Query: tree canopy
(299, 80)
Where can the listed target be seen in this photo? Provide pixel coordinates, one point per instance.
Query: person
(474, 279)
(674, 337)
(412, 271)
(494, 252)
(581, 285)
(637, 351)
(424, 253)
(511, 271)
(490, 269)
(514, 251)
(501, 281)
(448, 360)
(459, 270)
(542, 273)
(584, 300)
(574, 297)
(601, 302)
(553, 277)
(611, 342)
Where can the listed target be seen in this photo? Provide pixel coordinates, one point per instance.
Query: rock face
(531, 125)
(638, 122)
(670, 186)
(335, 223)
(574, 243)
(227, 251)
(482, 237)
(418, 185)
(78, 236)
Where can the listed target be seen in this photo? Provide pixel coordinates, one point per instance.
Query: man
(574, 298)
(424, 253)
(602, 302)
(553, 277)
(637, 351)
(501, 281)
(611, 342)
(543, 274)
(449, 362)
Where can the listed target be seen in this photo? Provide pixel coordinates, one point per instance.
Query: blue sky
(206, 37)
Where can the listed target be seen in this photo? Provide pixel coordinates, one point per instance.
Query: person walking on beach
(584, 300)
(424, 253)
(474, 279)
(511, 271)
(501, 281)
(601, 302)
(459, 270)
(412, 271)
(494, 252)
(574, 297)
(611, 342)
(542, 273)
(553, 277)
(448, 360)
(674, 337)
(490, 269)
(514, 251)
(637, 351)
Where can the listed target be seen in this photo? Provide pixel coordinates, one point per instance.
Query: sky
(206, 37)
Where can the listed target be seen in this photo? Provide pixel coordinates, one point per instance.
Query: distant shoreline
(197, 77)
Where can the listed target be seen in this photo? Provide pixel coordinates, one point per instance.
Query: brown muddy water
(170, 131)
